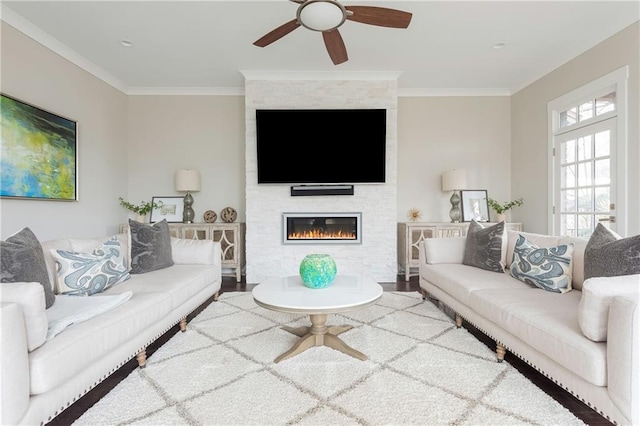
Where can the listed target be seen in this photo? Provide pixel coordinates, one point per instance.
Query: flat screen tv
(321, 146)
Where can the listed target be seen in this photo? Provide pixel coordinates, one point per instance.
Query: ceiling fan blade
(381, 16)
(277, 33)
(335, 46)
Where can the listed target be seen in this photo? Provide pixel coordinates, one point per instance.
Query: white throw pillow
(444, 250)
(597, 295)
(194, 252)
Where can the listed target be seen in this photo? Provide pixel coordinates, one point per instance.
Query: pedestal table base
(319, 334)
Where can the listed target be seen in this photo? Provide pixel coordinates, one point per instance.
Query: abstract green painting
(38, 153)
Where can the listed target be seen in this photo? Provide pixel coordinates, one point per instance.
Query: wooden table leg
(319, 334)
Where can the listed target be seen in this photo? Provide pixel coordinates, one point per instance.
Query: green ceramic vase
(318, 270)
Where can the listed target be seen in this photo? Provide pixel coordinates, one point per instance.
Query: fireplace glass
(321, 228)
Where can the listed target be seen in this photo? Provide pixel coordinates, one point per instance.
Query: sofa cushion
(81, 345)
(84, 274)
(444, 250)
(609, 255)
(461, 280)
(548, 322)
(181, 282)
(548, 268)
(484, 247)
(597, 295)
(150, 246)
(22, 260)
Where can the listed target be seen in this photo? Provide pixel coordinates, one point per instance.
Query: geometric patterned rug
(421, 370)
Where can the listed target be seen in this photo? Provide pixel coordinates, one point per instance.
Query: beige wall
(205, 133)
(529, 125)
(34, 74)
(131, 145)
(436, 134)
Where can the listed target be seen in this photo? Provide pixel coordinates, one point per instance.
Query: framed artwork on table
(39, 159)
(171, 209)
(474, 205)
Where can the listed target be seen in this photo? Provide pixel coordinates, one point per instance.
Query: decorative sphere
(318, 270)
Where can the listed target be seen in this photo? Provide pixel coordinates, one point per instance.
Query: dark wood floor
(578, 408)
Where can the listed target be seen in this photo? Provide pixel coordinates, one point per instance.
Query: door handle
(611, 219)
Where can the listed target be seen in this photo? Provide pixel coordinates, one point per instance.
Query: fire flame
(319, 234)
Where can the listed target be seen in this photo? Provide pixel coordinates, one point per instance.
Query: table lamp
(187, 181)
(454, 180)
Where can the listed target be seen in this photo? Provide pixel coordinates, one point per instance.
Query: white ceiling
(202, 46)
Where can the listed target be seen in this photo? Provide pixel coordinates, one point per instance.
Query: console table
(229, 235)
(410, 234)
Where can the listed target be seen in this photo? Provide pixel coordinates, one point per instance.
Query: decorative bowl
(318, 270)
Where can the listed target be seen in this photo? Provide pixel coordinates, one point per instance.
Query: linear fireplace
(322, 228)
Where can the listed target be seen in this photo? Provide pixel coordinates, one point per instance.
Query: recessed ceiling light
(126, 43)
(499, 46)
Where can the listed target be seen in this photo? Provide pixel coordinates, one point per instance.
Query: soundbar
(310, 190)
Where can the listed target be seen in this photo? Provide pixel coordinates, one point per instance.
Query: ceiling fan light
(321, 15)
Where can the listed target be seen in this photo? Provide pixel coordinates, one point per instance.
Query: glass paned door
(584, 176)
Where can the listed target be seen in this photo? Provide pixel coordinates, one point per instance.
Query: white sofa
(545, 329)
(38, 384)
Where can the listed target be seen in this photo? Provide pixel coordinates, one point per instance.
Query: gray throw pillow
(22, 260)
(150, 246)
(483, 248)
(607, 254)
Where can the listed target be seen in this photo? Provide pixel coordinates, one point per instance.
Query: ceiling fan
(327, 15)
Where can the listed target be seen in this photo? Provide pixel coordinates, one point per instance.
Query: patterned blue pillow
(84, 274)
(548, 268)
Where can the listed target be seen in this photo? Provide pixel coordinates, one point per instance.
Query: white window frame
(615, 81)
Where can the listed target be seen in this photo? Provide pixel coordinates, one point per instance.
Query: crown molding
(320, 75)
(451, 92)
(19, 23)
(186, 91)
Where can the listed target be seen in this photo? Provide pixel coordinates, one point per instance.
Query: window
(585, 182)
(587, 141)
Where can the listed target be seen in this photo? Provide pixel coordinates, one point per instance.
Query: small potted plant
(141, 210)
(501, 209)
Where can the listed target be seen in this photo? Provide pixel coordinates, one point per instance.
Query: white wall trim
(320, 75)
(27, 28)
(447, 92)
(189, 91)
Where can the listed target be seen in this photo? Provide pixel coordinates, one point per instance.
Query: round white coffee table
(289, 294)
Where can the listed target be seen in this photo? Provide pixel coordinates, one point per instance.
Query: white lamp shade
(187, 180)
(454, 180)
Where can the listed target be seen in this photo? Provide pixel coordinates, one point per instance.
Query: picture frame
(171, 209)
(39, 158)
(475, 205)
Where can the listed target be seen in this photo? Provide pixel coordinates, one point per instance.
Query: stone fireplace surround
(266, 255)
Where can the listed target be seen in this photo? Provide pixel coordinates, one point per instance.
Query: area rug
(421, 370)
